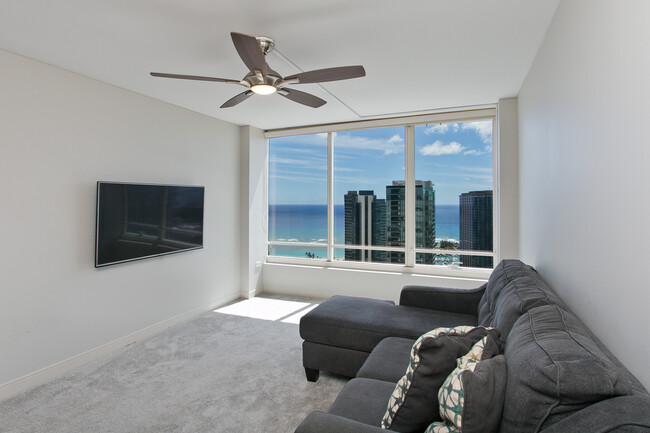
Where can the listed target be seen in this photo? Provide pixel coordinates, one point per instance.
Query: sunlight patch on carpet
(295, 318)
(268, 309)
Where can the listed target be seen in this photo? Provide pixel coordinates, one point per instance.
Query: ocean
(308, 223)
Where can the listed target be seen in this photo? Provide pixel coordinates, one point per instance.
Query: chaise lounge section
(341, 332)
(559, 377)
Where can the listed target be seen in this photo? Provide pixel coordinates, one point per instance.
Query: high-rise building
(476, 227)
(365, 224)
(395, 217)
(425, 219)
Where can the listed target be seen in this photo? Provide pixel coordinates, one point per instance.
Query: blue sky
(456, 157)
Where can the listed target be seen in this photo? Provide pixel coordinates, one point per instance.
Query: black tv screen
(136, 221)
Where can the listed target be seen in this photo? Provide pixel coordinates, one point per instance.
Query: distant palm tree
(448, 245)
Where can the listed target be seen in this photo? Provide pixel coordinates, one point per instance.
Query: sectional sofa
(555, 375)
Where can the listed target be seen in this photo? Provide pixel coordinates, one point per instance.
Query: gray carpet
(217, 373)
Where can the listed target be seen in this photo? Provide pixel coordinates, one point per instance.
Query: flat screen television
(137, 221)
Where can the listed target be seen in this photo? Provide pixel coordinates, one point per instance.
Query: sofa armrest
(629, 413)
(442, 299)
(320, 422)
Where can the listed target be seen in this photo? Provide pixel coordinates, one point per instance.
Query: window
(415, 194)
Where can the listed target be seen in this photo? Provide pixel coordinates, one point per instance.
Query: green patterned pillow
(413, 404)
(471, 399)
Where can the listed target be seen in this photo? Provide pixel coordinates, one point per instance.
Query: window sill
(477, 274)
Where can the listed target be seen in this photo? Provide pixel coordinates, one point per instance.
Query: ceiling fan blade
(302, 98)
(250, 52)
(237, 99)
(328, 74)
(194, 77)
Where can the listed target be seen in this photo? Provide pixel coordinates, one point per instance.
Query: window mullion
(330, 196)
(409, 195)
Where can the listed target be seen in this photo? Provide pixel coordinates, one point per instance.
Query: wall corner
(508, 172)
(253, 209)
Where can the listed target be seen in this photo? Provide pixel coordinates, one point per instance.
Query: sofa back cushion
(554, 369)
(513, 289)
(519, 296)
(501, 276)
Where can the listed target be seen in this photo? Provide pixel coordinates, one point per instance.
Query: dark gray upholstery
(338, 360)
(361, 323)
(560, 377)
(442, 298)
(629, 414)
(501, 276)
(328, 423)
(506, 272)
(341, 332)
(554, 370)
(388, 360)
(364, 400)
(517, 297)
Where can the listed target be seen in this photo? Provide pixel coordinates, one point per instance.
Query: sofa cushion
(516, 298)
(505, 272)
(361, 323)
(363, 400)
(388, 360)
(413, 404)
(554, 369)
(471, 399)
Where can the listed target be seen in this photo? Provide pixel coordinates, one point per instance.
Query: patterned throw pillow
(471, 399)
(413, 404)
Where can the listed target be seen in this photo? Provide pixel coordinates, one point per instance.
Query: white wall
(584, 177)
(59, 134)
(508, 179)
(254, 209)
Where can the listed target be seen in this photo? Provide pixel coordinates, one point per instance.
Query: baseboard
(46, 374)
(250, 294)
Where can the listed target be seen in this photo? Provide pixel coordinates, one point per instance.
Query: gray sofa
(560, 378)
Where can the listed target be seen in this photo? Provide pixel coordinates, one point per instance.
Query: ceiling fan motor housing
(254, 79)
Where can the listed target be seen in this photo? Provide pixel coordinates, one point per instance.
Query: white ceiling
(419, 55)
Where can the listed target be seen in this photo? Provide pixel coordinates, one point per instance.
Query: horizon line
(342, 204)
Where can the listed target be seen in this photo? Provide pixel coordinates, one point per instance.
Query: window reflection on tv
(136, 221)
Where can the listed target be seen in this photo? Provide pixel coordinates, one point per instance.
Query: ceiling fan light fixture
(263, 89)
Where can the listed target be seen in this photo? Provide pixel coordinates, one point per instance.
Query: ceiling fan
(263, 80)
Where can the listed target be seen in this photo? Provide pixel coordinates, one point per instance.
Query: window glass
(303, 252)
(453, 165)
(298, 195)
(368, 181)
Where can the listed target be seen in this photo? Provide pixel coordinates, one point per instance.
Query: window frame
(409, 266)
